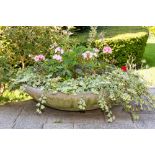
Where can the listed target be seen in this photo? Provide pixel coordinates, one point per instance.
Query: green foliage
(73, 65)
(13, 96)
(82, 28)
(114, 87)
(124, 46)
(82, 104)
(5, 69)
(21, 42)
(106, 107)
(40, 105)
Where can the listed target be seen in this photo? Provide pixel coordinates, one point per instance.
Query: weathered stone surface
(29, 119)
(8, 115)
(119, 125)
(152, 90)
(58, 125)
(92, 125)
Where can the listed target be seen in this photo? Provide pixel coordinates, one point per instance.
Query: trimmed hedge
(125, 45)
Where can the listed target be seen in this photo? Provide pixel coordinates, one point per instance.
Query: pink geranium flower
(39, 57)
(57, 57)
(107, 49)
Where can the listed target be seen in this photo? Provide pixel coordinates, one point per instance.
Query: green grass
(110, 31)
(149, 56)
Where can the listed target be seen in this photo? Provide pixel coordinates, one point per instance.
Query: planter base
(63, 101)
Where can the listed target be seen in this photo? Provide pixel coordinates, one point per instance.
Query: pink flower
(107, 49)
(59, 49)
(57, 57)
(39, 58)
(96, 50)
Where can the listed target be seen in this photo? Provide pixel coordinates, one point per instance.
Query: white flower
(59, 49)
(88, 55)
(57, 57)
(96, 50)
(54, 45)
(95, 54)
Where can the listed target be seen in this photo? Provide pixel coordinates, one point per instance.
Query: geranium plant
(86, 70)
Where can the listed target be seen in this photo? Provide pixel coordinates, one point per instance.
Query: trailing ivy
(41, 104)
(114, 87)
(82, 105)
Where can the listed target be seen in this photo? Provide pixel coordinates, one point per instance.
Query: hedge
(125, 45)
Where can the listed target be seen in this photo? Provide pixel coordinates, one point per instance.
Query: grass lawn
(149, 56)
(110, 31)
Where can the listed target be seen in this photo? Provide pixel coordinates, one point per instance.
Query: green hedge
(125, 45)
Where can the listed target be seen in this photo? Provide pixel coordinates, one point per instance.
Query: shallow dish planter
(63, 101)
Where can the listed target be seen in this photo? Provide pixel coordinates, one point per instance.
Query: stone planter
(63, 101)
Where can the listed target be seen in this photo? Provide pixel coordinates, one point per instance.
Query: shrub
(125, 45)
(82, 28)
(20, 42)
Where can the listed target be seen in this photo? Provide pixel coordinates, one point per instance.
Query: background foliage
(126, 45)
(19, 44)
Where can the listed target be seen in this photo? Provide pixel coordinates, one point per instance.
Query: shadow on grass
(112, 31)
